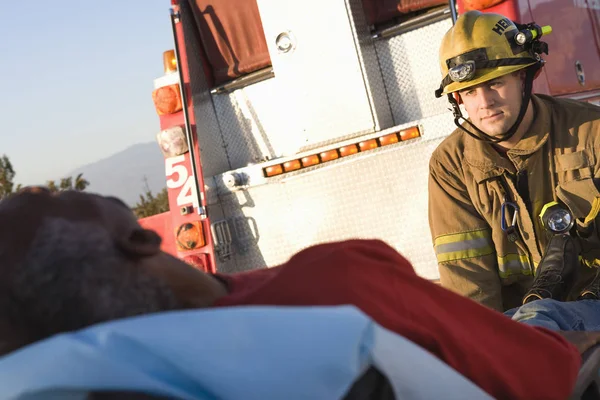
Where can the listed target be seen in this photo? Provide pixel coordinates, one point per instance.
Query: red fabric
(479, 4)
(377, 11)
(507, 359)
(232, 37)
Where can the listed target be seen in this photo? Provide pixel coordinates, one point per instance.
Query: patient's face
(20, 217)
(21, 214)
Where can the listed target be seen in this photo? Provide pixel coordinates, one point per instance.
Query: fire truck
(285, 124)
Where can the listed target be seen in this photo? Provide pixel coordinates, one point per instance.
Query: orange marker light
(368, 145)
(389, 139)
(410, 133)
(348, 150)
(292, 165)
(167, 99)
(273, 170)
(310, 160)
(329, 155)
(189, 236)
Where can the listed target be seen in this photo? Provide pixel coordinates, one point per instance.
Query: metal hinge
(241, 231)
(222, 239)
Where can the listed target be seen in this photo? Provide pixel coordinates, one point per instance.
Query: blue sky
(77, 79)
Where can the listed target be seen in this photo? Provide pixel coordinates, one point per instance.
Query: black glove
(557, 272)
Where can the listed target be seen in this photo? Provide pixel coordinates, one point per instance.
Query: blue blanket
(251, 353)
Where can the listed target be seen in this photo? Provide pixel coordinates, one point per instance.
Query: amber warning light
(169, 61)
(412, 132)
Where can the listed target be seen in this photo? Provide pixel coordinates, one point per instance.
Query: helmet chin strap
(529, 76)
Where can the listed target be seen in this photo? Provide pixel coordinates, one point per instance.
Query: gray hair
(74, 276)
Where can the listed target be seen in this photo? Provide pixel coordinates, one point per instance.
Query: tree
(151, 204)
(79, 184)
(7, 176)
(8, 186)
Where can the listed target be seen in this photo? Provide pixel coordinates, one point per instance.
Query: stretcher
(588, 379)
(237, 353)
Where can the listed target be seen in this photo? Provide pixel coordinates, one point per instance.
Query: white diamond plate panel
(380, 194)
(411, 72)
(244, 136)
(367, 55)
(212, 149)
(255, 122)
(258, 219)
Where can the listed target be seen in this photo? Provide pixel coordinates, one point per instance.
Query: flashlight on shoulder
(556, 218)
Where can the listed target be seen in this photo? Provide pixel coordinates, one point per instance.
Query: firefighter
(517, 153)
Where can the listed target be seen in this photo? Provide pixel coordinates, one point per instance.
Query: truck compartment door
(317, 69)
(573, 44)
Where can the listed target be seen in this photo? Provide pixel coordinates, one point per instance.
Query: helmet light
(462, 72)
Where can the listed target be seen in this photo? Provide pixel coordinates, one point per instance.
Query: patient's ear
(140, 243)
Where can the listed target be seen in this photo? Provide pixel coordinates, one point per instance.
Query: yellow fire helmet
(484, 46)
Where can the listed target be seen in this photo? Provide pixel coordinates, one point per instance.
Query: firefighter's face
(22, 213)
(494, 106)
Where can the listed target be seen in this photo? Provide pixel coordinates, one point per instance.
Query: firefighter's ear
(140, 243)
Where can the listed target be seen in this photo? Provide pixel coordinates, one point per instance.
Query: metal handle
(452, 5)
(580, 73)
(176, 18)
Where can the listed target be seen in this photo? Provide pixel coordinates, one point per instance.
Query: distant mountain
(122, 174)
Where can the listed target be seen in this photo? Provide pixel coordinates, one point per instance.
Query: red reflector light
(329, 155)
(199, 261)
(348, 150)
(368, 145)
(410, 133)
(273, 170)
(310, 160)
(389, 139)
(292, 165)
(189, 236)
(167, 99)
